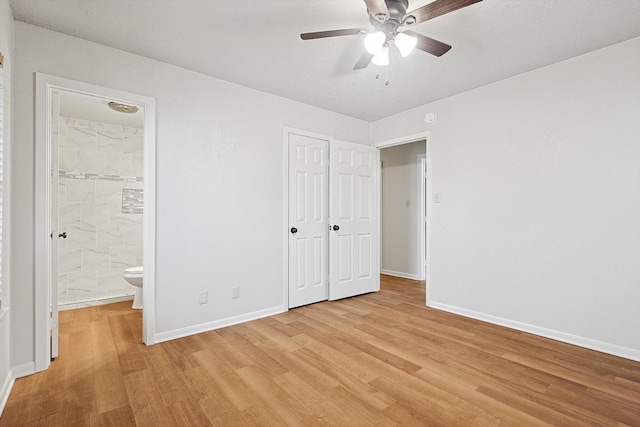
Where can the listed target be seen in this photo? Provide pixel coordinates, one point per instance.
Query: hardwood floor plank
(380, 359)
(118, 417)
(585, 377)
(288, 410)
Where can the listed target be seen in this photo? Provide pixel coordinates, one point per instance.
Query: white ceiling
(95, 109)
(256, 43)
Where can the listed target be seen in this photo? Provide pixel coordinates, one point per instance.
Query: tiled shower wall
(100, 209)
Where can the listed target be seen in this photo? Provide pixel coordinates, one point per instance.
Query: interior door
(308, 219)
(354, 244)
(53, 269)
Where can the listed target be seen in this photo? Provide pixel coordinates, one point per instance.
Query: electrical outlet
(235, 292)
(204, 297)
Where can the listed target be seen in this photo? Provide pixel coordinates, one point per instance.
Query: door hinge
(53, 323)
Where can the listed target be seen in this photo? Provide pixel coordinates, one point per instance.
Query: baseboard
(603, 347)
(85, 304)
(400, 274)
(23, 370)
(5, 390)
(222, 323)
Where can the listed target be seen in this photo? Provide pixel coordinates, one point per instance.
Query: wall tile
(114, 128)
(107, 191)
(81, 283)
(132, 201)
(95, 259)
(62, 189)
(82, 236)
(62, 135)
(132, 235)
(67, 159)
(80, 138)
(111, 279)
(69, 213)
(110, 192)
(95, 214)
(109, 235)
(132, 131)
(69, 260)
(133, 144)
(123, 221)
(138, 185)
(119, 164)
(62, 286)
(91, 162)
(110, 142)
(80, 190)
(122, 256)
(137, 166)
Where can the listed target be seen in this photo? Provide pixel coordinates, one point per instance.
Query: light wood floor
(381, 359)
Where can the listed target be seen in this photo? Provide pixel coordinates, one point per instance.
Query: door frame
(422, 136)
(45, 85)
(422, 218)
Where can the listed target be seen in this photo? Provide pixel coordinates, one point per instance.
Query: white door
(308, 178)
(53, 271)
(354, 245)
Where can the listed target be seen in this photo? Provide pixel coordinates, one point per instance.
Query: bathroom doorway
(100, 198)
(95, 201)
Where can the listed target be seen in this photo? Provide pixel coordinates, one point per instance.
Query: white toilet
(133, 275)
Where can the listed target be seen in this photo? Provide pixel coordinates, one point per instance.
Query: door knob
(294, 230)
(336, 228)
(63, 235)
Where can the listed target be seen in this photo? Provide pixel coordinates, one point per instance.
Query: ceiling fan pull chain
(386, 83)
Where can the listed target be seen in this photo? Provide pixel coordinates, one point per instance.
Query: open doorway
(402, 210)
(76, 159)
(416, 188)
(99, 207)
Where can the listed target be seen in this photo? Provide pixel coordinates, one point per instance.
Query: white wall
(219, 180)
(540, 181)
(400, 250)
(6, 47)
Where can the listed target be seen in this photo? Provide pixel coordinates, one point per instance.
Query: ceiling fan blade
(364, 61)
(378, 9)
(429, 45)
(333, 33)
(439, 7)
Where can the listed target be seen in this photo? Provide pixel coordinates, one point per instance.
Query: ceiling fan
(387, 17)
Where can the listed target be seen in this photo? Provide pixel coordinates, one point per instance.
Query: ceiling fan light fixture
(382, 57)
(405, 43)
(374, 42)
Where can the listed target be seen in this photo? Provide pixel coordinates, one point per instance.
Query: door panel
(354, 266)
(308, 202)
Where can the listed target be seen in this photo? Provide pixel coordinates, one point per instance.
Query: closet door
(354, 244)
(308, 219)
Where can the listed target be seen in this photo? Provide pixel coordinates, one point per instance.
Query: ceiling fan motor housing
(397, 12)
